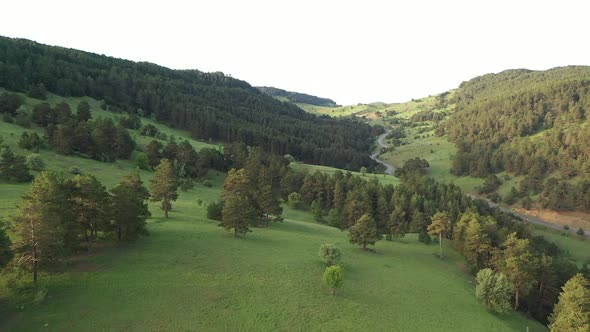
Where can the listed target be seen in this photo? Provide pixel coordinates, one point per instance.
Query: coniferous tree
(439, 225)
(237, 213)
(83, 112)
(572, 312)
(129, 209)
(89, 202)
(46, 224)
(164, 185)
(364, 232)
(6, 253)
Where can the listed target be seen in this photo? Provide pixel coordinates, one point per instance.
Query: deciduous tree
(164, 185)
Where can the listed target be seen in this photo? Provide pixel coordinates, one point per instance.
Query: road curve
(389, 169)
(381, 142)
(527, 218)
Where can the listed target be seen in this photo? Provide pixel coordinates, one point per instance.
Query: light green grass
(576, 247)
(383, 178)
(191, 275)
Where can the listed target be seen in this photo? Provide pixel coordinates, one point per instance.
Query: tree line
(209, 105)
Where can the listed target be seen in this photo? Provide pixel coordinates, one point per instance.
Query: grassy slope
(190, 275)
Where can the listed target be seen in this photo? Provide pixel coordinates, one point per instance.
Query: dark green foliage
(490, 184)
(10, 102)
(214, 210)
(580, 232)
(296, 97)
(209, 105)
(316, 211)
(512, 196)
(38, 91)
(528, 123)
(30, 142)
(129, 209)
(89, 199)
(141, 161)
(83, 112)
(132, 121)
(75, 170)
(295, 201)
(35, 162)
(330, 254)
(412, 166)
(13, 168)
(22, 118)
(6, 253)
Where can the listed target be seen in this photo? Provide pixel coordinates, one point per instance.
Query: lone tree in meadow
(572, 312)
(330, 254)
(494, 290)
(334, 277)
(364, 232)
(164, 185)
(440, 225)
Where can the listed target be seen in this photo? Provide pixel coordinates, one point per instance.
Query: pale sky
(350, 51)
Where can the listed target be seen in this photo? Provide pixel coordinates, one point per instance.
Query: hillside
(190, 274)
(297, 97)
(208, 105)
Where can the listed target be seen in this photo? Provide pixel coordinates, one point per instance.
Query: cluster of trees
(209, 105)
(189, 162)
(487, 237)
(523, 122)
(424, 116)
(101, 139)
(296, 97)
(251, 191)
(59, 214)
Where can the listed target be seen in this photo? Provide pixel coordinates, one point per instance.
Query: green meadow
(190, 274)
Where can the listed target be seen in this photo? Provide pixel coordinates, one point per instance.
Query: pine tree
(46, 228)
(440, 225)
(90, 201)
(237, 213)
(6, 253)
(129, 210)
(396, 224)
(164, 185)
(83, 111)
(364, 232)
(477, 243)
(13, 168)
(572, 312)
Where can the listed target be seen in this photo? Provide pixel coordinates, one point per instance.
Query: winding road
(381, 142)
(389, 169)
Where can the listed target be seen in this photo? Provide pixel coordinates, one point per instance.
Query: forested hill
(209, 105)
(531, 123)
(296, 97)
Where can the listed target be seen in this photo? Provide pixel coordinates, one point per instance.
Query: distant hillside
(529, 123)
(296, 97)
(209, 105)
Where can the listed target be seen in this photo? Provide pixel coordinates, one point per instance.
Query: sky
(349, 51)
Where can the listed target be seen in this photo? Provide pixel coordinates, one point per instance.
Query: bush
(294, 200)
(334, 277)
(580, 232)
(75, 170)
(207, 184)
(35, 162)
(186, 184)
(566, 227)
(330, 254)
(141, 161)
(214, 210)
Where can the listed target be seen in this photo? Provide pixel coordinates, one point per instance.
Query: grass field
(191, 275)
(383, 178)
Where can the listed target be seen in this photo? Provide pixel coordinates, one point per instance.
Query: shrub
(214, 210)
(141, 161)
(294, 200)
(330, 254)
(334, 277)
(75, 170)
(207, 184)
(35, 162)
(580, 232)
